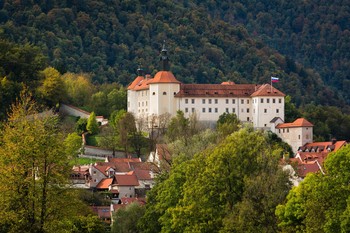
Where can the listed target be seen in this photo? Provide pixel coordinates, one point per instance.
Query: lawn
(83, 161)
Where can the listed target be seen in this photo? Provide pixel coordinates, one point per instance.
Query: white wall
(265, 109)
(296, 136)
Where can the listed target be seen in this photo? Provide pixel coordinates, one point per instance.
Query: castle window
(247, 110)
(203, 109)
(247, 101)
(164, 93)
(174, 93)
(298, 136)
(186, 109)
(192, 109)
(192, 101)
(283, 132)
(287, 130)
(209, 110)
(268, 100)
(265, 125)
(265, 110)
(203, 101)
(233, 110)
(186, 101)
(227, 110)
(247, 118)
(280, 100)
(226, 101)
(261, 100)
(216, 109)
(233, 101)
(153, 93)
(273, 100)
(209, 101)
(242, 101)
(216, 101)
(277, 110)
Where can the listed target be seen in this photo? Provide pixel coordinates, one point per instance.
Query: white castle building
(253, 103)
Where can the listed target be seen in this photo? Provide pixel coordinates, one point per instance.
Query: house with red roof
(121, 177)
(296, 133)
(163, 94)
(310, 157)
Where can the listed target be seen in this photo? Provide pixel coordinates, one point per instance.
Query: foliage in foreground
(36, 196)
(232, 187)
(321, 202)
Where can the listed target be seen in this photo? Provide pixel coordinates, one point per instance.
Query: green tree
(178, 127)
(125, 219)
(227, 123)
(109, 138)
(92, 125)
(51, 89)
(36, 195)
(73, 145)
(320, 202)
(80, 125)
(291, 113)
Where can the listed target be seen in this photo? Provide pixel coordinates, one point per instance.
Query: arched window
(164, 93)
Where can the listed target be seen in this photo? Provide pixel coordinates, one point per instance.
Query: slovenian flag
(274, 79)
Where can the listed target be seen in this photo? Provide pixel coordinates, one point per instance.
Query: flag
(274, 79)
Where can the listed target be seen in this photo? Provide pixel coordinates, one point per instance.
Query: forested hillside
(208, 43)
(314, 33)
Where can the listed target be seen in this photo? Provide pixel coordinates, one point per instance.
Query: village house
(120, 177)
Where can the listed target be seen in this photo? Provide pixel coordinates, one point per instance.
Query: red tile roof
(164, 77)
(118, 160)
(103, 212)
(136, 81)
(163, 152)
(143, 85)
(300, 122)
(128, 179)
(333, 146)
(305, 168)
(104, 183)
(216, 90)
(143, 174)
(267, 90)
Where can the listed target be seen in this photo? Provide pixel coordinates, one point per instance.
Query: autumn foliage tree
(35, 196)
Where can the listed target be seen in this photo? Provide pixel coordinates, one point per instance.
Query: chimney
(334, 140)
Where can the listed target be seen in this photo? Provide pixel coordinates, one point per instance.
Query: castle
(252, 103)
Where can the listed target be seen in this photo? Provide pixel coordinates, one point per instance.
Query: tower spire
(140, 70)
(164, 58)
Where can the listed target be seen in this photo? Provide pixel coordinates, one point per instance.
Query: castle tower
(163, 88)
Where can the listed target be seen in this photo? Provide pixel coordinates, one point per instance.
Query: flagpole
(271, 83)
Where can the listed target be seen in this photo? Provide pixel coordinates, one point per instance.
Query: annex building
(252, 103)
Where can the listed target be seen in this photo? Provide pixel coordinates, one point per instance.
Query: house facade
(252, 103)
(296, 134)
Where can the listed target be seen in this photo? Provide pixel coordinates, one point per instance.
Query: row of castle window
(143, 103)
(234, 101)
(226, 110)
